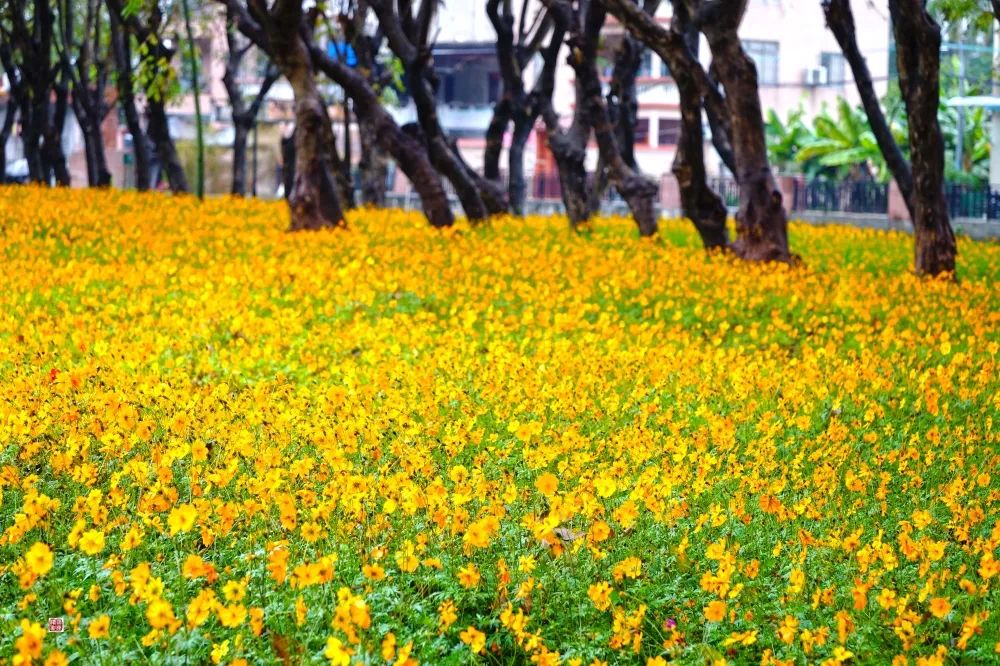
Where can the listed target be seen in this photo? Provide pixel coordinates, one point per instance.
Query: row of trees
(61, 54)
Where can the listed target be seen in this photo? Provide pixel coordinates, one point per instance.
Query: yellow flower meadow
(224, 443)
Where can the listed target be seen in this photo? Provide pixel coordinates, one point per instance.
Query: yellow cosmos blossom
(99, 627)
(715, 611)
(39, 559)
(468, 576)
(92, 542)
(600, 595)
(547, 484)
(940, 607)
(475, 639)
(159, 614)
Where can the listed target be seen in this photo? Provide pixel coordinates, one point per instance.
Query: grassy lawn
(224, 443)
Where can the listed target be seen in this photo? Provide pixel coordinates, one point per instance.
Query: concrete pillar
(897, 210)
(786, 184)
(670, 193)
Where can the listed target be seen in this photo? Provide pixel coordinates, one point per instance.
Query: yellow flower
(99, 627)
(92, 542)
(234, 590)
(468, 576)
(600, 595)
(338, 653)
(39, 559)
(940, 607)
(181, 518)
(547, 484)
(475, 639)
(159, 613)
(29, 643)
(715, 611)
(373, 571)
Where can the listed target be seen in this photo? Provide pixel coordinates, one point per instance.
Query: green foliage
(842, 146)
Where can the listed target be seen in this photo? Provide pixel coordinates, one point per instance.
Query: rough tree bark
(678, 48)
(840, 21)
(700, 204)
(638, 191)
(408, 37)
(147, 31)
(761, 224)
(406, 150)
(568, 145)
(244, 115)
(86, 64)
(14, 93)
(918, 44)
(29, 34)
(516, 105)
(282, 33)
(122, 52)
(166, 150)
(373, 164)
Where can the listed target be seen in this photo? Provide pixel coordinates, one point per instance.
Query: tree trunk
(313, 198)
(438, 149)
(569, 148)
(372, 164)
(288, 161)
(918, 43)
(700, 204)
(408, 151)
(761, 224)
(638, 191)
(517, 192)
(166, 150)
(479, 197)
(5, 131)
(678, 48)
(52, 141)
(568, 145)
(241, 133)
(495, 132)
(840, 21)
(122, 53)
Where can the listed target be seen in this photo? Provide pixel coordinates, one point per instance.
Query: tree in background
(677, 46)
(84, 50)
(244, 115)
(761, 224)
(148, 23)
(638, 191)
(918, 45)
(28, 47)
(373, 162)
(516, 105)
(121, 49)
(278, 31)
(408, 35)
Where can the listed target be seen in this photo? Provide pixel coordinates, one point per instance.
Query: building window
(836, 72)
(664, 70)
(645, 65)
(261, 64)
(669, 131)
(765, 57)
(642, 132)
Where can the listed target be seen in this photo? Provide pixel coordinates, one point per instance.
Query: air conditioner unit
(816, 76)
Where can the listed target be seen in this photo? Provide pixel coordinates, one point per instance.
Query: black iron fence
(867, 197)
(801, 196)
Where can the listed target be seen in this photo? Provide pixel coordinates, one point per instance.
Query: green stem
(200, 139)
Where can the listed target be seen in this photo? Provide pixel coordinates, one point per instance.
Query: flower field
(224, 443)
